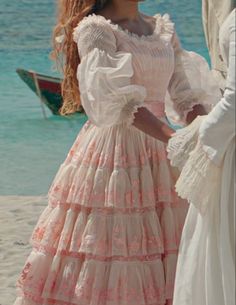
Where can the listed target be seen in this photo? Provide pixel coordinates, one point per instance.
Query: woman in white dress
(111, 230)
(206, 264)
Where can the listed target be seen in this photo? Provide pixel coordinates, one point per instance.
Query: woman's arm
(186, 88)
(151, 125)
(107, 94)
(218, 128)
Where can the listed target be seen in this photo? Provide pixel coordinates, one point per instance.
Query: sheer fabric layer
(182, 79)
(113, 213)
(129, 234)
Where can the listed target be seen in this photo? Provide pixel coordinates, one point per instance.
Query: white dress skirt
(111, 231)
(206, 151)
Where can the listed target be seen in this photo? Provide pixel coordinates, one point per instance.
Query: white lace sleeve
(183, 142)
(199, 180)
(218, 129)
(199, 177)
(192, 82)
(104, 76)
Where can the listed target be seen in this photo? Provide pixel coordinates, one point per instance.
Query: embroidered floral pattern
(38, 233)
(95, 159)
(112, 205)
(122, 291)
(24, 273)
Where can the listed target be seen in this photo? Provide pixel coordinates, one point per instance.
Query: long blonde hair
(65, 53)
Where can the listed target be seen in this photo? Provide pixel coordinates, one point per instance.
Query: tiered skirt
(111, 230)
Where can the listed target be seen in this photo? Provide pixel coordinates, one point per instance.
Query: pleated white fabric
(206, 263)
(111, 231)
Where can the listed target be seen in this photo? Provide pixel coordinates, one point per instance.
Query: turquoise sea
(31, 147)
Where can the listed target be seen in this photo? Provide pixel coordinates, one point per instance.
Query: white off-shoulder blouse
(121, 71)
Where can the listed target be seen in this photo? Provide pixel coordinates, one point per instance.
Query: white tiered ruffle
(200, 177)
(199, 180)
(111, 231)
(183, 143)
(114, 168)
(74, 280)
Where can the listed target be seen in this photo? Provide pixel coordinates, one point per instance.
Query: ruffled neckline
(164, 27)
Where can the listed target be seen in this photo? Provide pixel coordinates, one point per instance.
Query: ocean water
(31, 147)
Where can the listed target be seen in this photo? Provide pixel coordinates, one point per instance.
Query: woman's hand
(151, 125)
(183, 142)
(197, 110)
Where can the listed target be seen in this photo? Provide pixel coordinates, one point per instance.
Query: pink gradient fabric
(111, 231)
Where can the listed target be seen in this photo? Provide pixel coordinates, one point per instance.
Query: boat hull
(47, 88)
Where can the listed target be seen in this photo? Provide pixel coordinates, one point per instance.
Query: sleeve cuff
(199, 180)
(183, 142)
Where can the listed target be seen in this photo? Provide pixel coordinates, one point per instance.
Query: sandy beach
(18, 216)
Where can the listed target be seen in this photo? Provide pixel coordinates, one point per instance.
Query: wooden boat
(47, 88)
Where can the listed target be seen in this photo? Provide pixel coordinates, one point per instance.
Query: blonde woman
(110, 233)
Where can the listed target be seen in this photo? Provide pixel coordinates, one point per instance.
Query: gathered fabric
(111, 231)
(205, 151)
(118, 98)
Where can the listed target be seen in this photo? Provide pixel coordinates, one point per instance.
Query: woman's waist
(156, 107)
(120, 132)
(127, 142)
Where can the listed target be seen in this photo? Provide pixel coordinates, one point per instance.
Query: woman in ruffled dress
(206, 264)
(110, 233)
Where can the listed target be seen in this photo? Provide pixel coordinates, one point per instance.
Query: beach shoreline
(18, 217)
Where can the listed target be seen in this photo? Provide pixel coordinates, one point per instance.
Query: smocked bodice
(152, 56)
(121, 71)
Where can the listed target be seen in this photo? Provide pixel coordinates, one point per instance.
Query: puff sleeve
(104, 75)
(191, 83)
